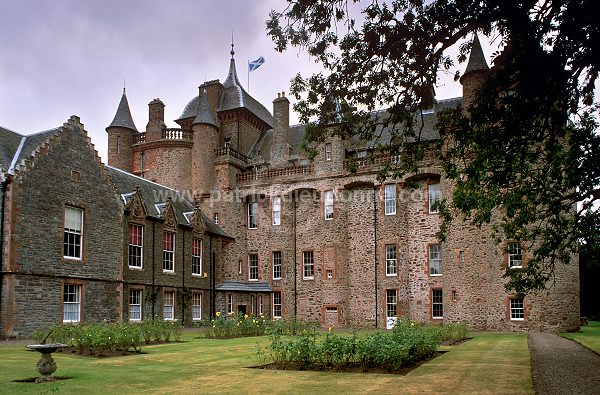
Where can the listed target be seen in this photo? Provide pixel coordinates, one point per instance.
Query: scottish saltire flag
(255, 64)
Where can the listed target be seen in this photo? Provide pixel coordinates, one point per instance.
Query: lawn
(588, 336)
(489, 363)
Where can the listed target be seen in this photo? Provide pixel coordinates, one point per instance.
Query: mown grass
(588, 336)
(489, 363)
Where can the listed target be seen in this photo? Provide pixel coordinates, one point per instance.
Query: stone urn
(46, 365)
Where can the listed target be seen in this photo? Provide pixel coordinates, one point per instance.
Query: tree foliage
(524, 156)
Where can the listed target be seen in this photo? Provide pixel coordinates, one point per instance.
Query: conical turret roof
(204, 114)
(476, 58)
(123, 117)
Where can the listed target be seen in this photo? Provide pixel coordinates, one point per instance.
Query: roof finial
(123, 84)
(232, 51)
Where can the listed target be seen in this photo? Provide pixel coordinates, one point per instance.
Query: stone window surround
(172, 251)
(327, 150)
(174, 305)
(83, 232)
(430, 182)
(384, 200)
(131, 223)
(507, 305)
(199, 273)
(386, 303)
(333, 205)
(272, 209)
(280, 264)
(248, 259)
(384, 244)
(506, 254)
(140, 289)
(432, 303)
(280, 292)
(81, 298)
(197, 294)
(304, 252)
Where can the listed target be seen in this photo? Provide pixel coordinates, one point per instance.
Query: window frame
(389, 201)
(136, 247)
(516, 313)
(169, 253)
(389, 260)
(511, 256)
(432, 261)
(140, 297)
(78, 238)
(277, 259)
(308, 268)
(252, 211)
(172, 305)
(277, 307)
(434, 193)
(328, 205)
(327, 151)
(260, 306)
(253, 267)
(437, 300)
(78, 293)
(391, 293)
(197, 257)
(276, 213)
(196, 307)
(229, 302)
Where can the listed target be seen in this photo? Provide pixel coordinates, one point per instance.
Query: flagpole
(248, 69)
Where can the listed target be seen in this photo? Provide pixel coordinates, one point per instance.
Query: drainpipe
(183, 296)
(153, 264)
(375, 254)
(142, 163)
(212, 278)
(295, 263)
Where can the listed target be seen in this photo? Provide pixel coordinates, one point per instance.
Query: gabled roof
(15, 148)
(476, 58)
(234, 96)
(123, 117)
(155, 194)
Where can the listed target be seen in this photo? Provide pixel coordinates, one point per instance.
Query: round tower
(475, 74)
(122, 135)
(205, 136)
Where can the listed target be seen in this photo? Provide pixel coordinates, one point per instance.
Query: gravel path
(561, 366)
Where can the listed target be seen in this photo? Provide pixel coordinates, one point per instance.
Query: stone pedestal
(46, 365)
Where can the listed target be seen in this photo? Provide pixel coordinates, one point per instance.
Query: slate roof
(476, 58)
(191, 109)
(296, 135)
(123, 117)
(204, 114)
(234, 96)
(243, 287)
(14, 147)
(153, 194)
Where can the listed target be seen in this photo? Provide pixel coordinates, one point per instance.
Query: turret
(475, 74)
(205, 135)
(281, 131)
(122, 134)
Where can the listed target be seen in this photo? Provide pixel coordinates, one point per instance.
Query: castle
(228, 214)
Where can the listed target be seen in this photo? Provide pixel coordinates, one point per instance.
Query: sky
(70, 57)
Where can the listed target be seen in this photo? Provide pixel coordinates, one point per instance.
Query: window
(229, 304)
(71, 303)
(435, 259)
(252, 215)
(276, 304)
(196, 306)
(328, 204)
(276, 210)
(517, 309)
(328, 151)
(435, 195)
(260, 305)
(515, 255)
(252, 304)
(253, 267)
(216, 218)
(389, 198)
(461, 256)
(136, 238)
(309, 265)
(437, 304)
(196, 257)
(135, 305)
(169, 306)
(169, 252)
(390, 260)
(118, 144)
(276, 265)
(391, 303)
(73, 232)
(361, 154)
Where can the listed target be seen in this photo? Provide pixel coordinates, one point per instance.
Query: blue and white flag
(255, 64)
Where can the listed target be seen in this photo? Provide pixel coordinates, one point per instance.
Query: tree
(524, 152)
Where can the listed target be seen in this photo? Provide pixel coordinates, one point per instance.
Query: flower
(204, 275)
(245, 316)
(330, 329)
(218, 314)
